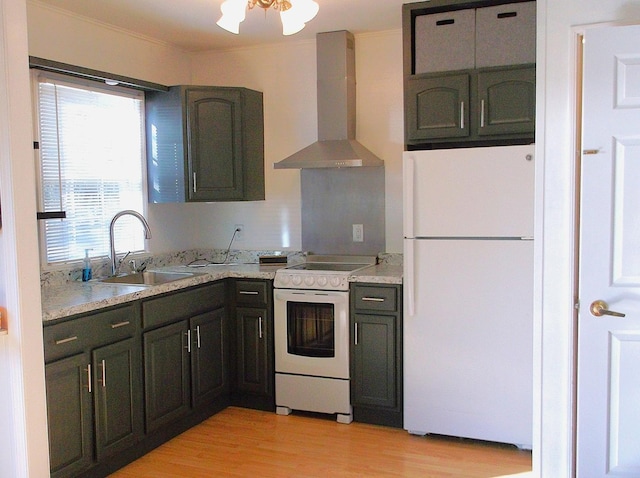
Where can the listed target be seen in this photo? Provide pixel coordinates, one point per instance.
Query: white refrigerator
(468, 293)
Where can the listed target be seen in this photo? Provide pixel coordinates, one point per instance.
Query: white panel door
(468, 339)
(608, 428)
(469, 192)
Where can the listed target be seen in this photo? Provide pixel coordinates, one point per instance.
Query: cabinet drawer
(252, 292)
(76, 335)
(182, 304)
(376, 298)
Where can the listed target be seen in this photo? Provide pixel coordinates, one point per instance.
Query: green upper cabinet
(436, 107)
(205, 143)
(469, 69)
(507, 101)
(476, 105)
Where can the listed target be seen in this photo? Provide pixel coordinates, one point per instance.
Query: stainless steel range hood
(336, 146)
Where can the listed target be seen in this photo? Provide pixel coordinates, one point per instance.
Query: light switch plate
(358, 233)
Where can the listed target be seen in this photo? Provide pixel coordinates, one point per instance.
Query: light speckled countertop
(82, 297)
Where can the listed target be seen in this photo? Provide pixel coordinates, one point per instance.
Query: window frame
(72, 81)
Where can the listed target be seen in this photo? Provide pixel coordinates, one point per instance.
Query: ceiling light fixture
(294, 14)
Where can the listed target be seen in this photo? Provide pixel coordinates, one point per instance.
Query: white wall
(555, 143)
(23, 424)
(57, 35)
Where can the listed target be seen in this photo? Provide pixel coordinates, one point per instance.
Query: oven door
(312, 332)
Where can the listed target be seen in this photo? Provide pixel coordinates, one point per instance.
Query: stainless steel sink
(148, 278)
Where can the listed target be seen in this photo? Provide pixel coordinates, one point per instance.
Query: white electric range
(311, 323)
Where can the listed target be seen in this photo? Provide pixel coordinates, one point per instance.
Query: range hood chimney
(336, 146)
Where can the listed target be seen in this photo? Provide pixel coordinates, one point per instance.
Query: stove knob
(296, 280)
(284, 279)
(309, 280)
(322, 281)
(335, 281)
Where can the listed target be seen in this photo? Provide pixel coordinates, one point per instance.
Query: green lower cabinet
(70, 416)
(209, 356)
(375, 363)
(186, 356)
(167, 376)
(93, 376)
(376, 354)
(94, 403)
(254, 353)
(252, 363)
(185, 367)
(117, 397)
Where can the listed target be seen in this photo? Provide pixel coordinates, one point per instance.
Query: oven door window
(310, 329)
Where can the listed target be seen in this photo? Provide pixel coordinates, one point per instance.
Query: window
(91, 165)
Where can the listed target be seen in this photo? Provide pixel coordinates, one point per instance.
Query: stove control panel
(318, 281)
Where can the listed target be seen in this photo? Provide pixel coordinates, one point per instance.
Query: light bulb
(294, 19)
(233, 13)
(303, 10)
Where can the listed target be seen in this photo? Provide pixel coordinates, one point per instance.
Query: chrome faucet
(147, 235)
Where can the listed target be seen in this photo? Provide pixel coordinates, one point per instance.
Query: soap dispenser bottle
(86, 268)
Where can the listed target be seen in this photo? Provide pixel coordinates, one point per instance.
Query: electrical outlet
(358, 233)
(239, 230)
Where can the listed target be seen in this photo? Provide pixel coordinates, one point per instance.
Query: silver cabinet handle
(373, 299)
(260, 327)
(599, 308)
(120, 324)
(462, 115)
(249, 292)
(482, 113)
(188, 347)
(198, 335)
(67, 340)
(88, 369)
(103, 365)
(195, 184)
(355, 333)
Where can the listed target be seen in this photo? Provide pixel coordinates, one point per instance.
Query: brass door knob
(599, 308)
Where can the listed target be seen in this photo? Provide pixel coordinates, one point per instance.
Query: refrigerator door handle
(409, 270)
(408, 172)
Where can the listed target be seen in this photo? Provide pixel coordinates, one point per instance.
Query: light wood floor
(248, 443)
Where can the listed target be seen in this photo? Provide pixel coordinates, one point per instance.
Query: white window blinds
(91, 166)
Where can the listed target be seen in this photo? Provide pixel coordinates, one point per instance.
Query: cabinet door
(507, 101)
(70, 415)
(437, 107)
(253, 330)
(214, 129)
(209, 357)
(166, 374)
(374, 367)
(117, 396)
